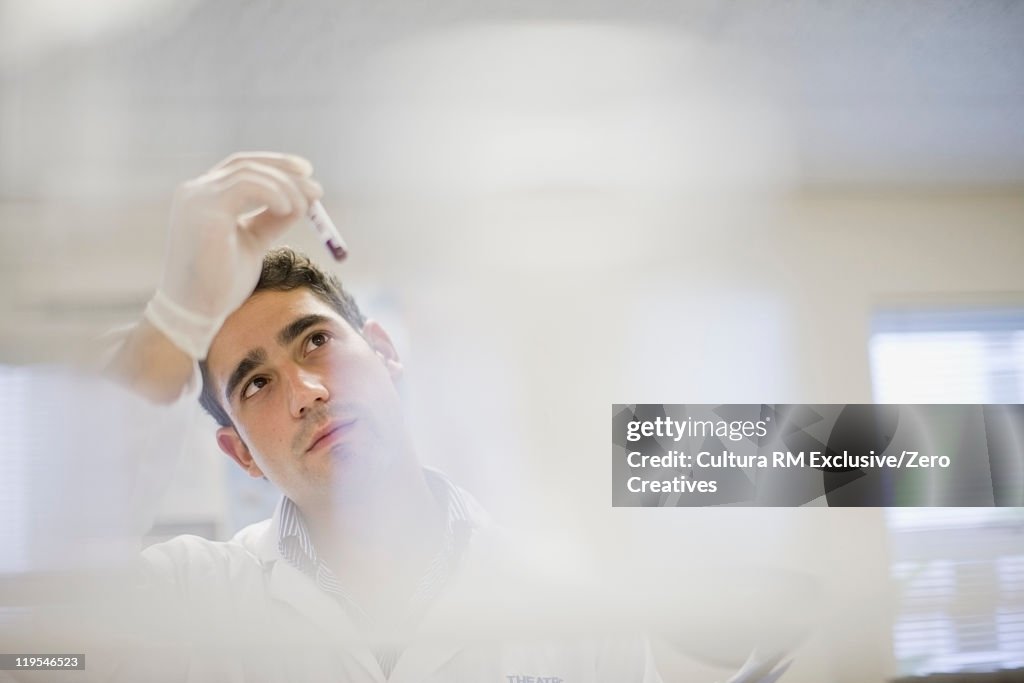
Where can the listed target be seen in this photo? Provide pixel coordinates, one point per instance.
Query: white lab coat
(195, 610)
(236, 611)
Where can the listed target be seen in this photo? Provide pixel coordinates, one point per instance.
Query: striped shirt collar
(295, 545)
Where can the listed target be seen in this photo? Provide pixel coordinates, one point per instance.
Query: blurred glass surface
(570, 205)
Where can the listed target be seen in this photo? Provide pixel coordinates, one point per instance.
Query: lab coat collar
(289, 585)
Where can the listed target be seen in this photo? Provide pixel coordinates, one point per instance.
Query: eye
(316, 340)
(253, 386)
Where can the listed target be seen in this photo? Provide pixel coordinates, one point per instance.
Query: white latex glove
(222, 223)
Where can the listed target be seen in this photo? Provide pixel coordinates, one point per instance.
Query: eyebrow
(252, 360)
(293, 329)
(258, 356)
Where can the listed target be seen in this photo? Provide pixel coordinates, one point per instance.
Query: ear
(232, 444)
(381, 343)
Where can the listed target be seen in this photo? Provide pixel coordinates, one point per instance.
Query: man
(372, 567)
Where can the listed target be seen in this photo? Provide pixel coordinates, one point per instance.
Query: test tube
(327, 231)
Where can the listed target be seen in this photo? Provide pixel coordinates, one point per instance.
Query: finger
(289, 183)
(246, 190)
(310, 188)
(268, 227)
(286, 183)
(289, 163)
(307, 187)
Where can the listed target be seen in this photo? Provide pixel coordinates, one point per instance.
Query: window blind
(959, 571)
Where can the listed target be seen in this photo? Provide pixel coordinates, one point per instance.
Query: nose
(305, 389)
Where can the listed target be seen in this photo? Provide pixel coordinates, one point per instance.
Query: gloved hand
(222, 223)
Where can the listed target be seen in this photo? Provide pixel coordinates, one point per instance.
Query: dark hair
(285, 269)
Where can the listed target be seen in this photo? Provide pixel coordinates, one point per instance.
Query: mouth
(330, 433)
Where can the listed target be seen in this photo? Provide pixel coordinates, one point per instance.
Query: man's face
(313, 402)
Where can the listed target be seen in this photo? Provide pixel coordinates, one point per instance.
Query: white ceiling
(875, 93)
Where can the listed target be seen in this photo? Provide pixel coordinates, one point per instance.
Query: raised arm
(222, 223)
